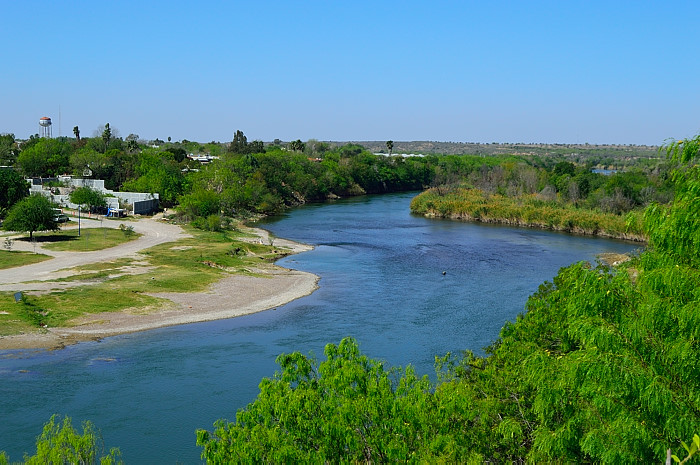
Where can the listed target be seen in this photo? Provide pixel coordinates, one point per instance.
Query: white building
(142, 203)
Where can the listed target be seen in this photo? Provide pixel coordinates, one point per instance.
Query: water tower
(45, 123)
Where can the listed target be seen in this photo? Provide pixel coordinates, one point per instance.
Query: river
(406, 287)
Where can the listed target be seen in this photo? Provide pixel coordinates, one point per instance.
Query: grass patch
(12, 323)
(10, 259)
(90, 239)
(66, 305)
(188, 265)
(103, 270)
(18, 317)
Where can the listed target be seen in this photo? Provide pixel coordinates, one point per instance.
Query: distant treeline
(606, 155)
(247, 178)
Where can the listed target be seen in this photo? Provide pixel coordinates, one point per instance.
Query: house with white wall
(140, 202)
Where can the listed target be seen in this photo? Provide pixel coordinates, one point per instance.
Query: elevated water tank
(45, 123)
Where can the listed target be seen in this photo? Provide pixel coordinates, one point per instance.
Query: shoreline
(231, 296)
(575, 230)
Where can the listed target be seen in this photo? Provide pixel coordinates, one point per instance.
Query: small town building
(139, 202)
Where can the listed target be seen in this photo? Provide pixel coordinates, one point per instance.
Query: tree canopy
(347, 409)
(90, 197)
(8, 149)
(158, 172)
(33, 213)
(45, 157)
(106, 136)
(12, 189)
(60, 442)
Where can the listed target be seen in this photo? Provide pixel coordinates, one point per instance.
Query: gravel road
(153, 232)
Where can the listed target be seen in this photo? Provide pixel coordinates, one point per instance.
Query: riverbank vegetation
(601, 368)
(547, 194)
(527, 211)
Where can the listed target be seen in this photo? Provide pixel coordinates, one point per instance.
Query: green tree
(390, 146)
(8, 149)
(200, 203)
(61, 443)
(347, 409)
(564, 167)
(158, 172)
(87, 158)
(76, 132)
(13, 188)
(90, 197)
(674, 229)
(106, 136)
(239, 143)
(178, 153)
(297, 145)
(33, 213)
(45, 157)
(132, 144)
(118, 167)
(257, 146)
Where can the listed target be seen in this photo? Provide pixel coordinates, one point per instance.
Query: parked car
(59, 216)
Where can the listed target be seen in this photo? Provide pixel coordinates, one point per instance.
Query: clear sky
(624, 72)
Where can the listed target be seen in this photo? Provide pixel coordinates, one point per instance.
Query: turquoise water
(382, 282)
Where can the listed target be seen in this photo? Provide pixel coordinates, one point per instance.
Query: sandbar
(234, 295)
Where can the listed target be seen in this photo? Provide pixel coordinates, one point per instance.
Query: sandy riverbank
(232, 296)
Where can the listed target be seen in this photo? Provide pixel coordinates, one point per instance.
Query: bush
(210, 223)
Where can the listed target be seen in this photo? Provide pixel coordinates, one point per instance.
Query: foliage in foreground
(60, 443)
(601, 368)
(348, 408)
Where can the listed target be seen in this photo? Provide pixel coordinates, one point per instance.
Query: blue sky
(467, 71)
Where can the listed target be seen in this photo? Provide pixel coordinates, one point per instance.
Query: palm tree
(390, 145)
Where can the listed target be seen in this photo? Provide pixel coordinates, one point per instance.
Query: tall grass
(526, 211)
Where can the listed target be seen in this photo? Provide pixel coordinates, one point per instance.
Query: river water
(406, 287)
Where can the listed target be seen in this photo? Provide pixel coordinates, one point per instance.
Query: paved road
(153, 233)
